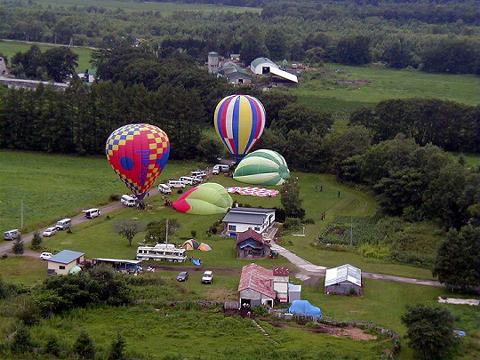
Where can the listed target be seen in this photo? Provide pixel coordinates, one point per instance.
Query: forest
(398, 33)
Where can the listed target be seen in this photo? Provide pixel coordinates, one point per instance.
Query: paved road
(308, 270)
(6, 246)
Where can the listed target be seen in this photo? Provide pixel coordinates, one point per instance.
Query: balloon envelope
(262, 167)
(204, 199)
(239, 121)
(138, 153)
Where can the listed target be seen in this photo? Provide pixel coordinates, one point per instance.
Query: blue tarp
(196, 262)
(304, 308)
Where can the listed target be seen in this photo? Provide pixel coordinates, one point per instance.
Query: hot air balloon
(138, 153)
(204, 199)
(262, 167)
(239, 121)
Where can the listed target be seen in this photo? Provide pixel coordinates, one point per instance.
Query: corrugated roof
(343, 273)
(261, 60)
(249, 234)
(257, 278)
(284, 74)
(134, 262)
(66, 256)
(281, 271)
(254, 216)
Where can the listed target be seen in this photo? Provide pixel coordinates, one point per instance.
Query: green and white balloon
(262, 167)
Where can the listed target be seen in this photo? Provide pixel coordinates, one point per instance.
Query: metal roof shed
(343, 280)
(66, 256)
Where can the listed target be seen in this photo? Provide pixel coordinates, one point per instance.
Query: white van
(176, 184)
(164, 189)
(63, 224)
(92, 213)
(128, 200)
(187, 180)
(11, 234)
(199, 173)
(217, 169)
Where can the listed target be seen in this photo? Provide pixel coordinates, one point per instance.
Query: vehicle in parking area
(198, 173)
(217, 169)
(207, 277)
(197, 179)
(164, 189)
(128, 200)
(50, 231)
(11, 234)
(92, 213)
(183, 276)
(63, 224)
(187, 180)
(45, 255)
(176, 184)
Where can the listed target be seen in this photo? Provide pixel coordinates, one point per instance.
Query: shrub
(117, 349)
(374, 251)
(29, 314)
(22, 341)
(260, 310)
(179, 191)
(309, 221)
(17, 247)
(193, 233)
(292, 224)
(84, 347)
(36, 241)
(114, 197)
(7, 290)
(52, 346)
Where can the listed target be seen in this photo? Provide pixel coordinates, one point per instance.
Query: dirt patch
(219, 271)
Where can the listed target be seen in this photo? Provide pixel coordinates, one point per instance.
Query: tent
(204, 247)
(196, 262)
(75, 270)
(304, 308)
(191, 244)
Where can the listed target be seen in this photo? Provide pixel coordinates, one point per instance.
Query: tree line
(441, 38)
(447, 124)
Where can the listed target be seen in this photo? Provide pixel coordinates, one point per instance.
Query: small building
(64, 261)
(240, 219)
(119, 264)
(213, 62)
(251, 245)
(235, 57)
(234, 73)
(265, 66)
(256, 286)
(167, 252)
(280, 283)
(343, 280)
(294, 292)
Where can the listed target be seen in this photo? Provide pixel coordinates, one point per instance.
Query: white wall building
(240, 219)
(265, 66)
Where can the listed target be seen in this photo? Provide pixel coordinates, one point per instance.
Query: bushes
(114, 197)
(374, 251)
(36, 241)
(84, 347)
(22, 341)
(292, 224)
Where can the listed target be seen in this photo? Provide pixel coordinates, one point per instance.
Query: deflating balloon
(138, 153)
(239, 121)
(262, 167)
(204, 199)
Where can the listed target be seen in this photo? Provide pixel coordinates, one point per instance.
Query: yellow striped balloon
(239, 121)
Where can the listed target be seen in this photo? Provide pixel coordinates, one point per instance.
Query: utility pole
(21, 214)
(166, 232)
(351, 232)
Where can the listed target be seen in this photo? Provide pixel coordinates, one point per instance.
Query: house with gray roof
(343, 280)
(63, 262)
(240, 219)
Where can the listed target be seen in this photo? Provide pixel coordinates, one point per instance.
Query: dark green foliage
(452, 56)
(292, 223)
(297, 117)
(99, 285)
(52, 346)
(6, 289)
(290, 198)
(209, 149)
(458, 259)
(253, 45)
(353, 50)
(398, 53)
(17, 247)
(84, 347)
(128, 229)
(36, 241)
(117, 349)
(29, 313)
(22, 341)
(429, 331)
(156, 230)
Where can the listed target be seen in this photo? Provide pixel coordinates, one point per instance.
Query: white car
(176, 184)
(164, 189)
(50, 231)
(199, 173)
(45, 255)
(207, 277)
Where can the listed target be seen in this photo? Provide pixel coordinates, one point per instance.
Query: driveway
(308, 270)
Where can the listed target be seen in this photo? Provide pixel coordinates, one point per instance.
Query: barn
(252, 245)
(265, 66)
(343, 280)
(256, 286)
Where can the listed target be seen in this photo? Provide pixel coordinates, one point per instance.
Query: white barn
(264, 66)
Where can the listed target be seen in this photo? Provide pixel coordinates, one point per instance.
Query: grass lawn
(472, 161)
(10, 48)
(23, 270)
(166, 8)
(325, 94)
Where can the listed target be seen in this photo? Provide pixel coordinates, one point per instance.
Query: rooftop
(123, 261)
(66, 256)
(343, 273)
(257, 278)
(249, 234)
(281, 271)
(262, 60)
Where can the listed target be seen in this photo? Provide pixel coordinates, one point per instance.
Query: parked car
(11, 234)
(45, 255)
(183, 276)
(92, 213)
(164, 189)
(128, 200)
(207, 277)
(198, 173)
(176, 184)
(217, 169)
(197, 179)
(187, 180)
(50, 231)
(63, 224)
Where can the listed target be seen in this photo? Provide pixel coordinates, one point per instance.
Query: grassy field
(165, 8)
(355, 86)
(10, 48)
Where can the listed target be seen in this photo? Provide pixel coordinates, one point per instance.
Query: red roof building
(251, 244)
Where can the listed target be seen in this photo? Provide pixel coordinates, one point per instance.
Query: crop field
(341, 89)
(10, 48)
(165, 8)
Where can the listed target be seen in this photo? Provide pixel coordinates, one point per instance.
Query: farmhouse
(343, 280)
(234, 73)
(240, 219)
(63, 262)
(167, 252)
(265, 66)
(261, 286)
(252, 245)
